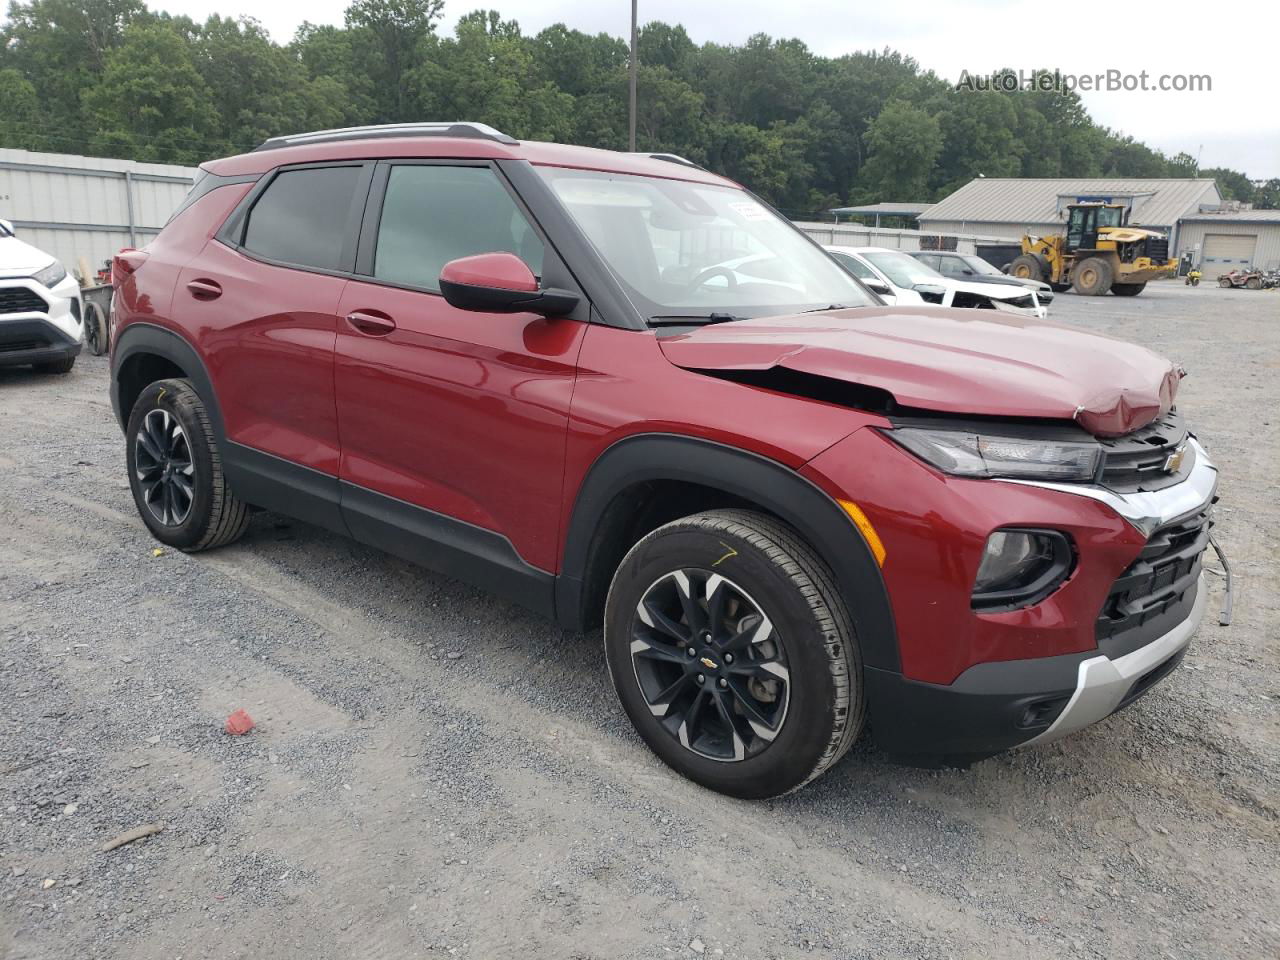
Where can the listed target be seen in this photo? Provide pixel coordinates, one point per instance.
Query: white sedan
(903, 280)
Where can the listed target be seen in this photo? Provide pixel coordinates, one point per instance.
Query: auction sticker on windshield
(748, 210)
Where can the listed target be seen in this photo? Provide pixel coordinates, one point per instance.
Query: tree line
(112, 78)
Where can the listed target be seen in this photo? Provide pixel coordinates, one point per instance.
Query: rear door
(452, 422)
(263, 299)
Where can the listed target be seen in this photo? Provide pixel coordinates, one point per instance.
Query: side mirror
(6, 226)
(877, 286)
(967, 272)
(500, 283)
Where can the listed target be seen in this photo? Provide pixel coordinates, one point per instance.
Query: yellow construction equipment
(1099, 252)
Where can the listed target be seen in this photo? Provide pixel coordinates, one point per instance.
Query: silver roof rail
(468, 131)
(669, 158)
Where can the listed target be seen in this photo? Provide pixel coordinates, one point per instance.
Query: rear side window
(433, 214)
(302, 217)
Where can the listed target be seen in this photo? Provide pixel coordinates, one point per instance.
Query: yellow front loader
(1098, 253)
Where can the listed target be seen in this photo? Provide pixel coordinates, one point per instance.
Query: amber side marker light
(864, 526)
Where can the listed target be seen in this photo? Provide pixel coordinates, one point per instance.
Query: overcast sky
(1236, 125)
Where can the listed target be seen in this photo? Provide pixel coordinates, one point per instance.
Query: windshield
(1110, 216)
(981, 267)
(692, 250)
(901, 269)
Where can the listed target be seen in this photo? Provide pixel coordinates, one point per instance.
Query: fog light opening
(1020, 568)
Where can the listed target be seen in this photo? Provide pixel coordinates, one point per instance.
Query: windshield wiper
(832, 306)
(679, 320)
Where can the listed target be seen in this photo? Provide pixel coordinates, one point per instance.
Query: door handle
(204, 289)
(372, 323)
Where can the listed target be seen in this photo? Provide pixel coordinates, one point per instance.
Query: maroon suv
(620, 389)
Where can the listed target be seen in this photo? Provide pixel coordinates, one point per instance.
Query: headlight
(52, 275)
(966, 454)
(1020, 567)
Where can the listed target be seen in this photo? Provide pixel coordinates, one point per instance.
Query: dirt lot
(437, 774)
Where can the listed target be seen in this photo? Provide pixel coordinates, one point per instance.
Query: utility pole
(634, 61)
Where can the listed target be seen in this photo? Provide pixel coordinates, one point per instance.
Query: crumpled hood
(18, 259)
(976, 362)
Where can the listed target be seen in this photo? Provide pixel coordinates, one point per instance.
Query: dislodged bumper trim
(1152, 509)
(1104, 684)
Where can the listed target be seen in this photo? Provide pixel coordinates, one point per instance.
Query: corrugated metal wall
(87, 207)
(1004, 231)
(855, 235)
(1266, 255)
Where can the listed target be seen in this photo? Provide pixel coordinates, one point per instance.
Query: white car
(903, 280)
(40, 308)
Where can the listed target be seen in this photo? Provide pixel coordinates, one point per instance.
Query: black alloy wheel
(710, 664)
(165, 471)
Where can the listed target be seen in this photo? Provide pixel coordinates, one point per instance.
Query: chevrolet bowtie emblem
(1173, 463)
(709, 663)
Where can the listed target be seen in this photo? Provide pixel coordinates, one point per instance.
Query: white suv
(40, 308)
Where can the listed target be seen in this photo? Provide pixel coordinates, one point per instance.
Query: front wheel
(175, 470)
(1092, 277)
(1127, 289)
(732, 653)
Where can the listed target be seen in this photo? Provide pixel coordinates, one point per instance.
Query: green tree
(903, 144)
(151, 100)
(20, 124)
(396, 27)
(1232, 184)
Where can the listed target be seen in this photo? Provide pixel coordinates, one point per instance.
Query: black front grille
(1158, 589)
(1158, 248)
(20, 346)
(21, 300)
(1142, 460)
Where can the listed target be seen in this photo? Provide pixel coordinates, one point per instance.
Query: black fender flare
(159, 341)
(773, 486)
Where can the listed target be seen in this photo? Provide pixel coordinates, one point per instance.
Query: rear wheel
(175, 470)
(1027, 267)
(1253, 283)
(732, 653)
(1092, 277)
(1224, 282)
(95, 329)
(1127, 289)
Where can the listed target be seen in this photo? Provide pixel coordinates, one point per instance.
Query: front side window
(433, 214)
(685, 249)
(302, 216)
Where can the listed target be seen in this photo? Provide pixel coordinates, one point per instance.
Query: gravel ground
(438, 774)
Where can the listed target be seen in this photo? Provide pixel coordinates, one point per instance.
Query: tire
(798, 663)
(181, 446)
(1224, 283)
(1092, 277)
(1027, 267)
(1253, 283)
(55, 366)
(1127, 289)
(95, 330)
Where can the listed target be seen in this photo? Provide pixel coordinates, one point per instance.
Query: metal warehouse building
(1008, 208)
(1222, 241)
(87, 208)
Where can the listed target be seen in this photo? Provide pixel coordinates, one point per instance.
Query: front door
(452, 422)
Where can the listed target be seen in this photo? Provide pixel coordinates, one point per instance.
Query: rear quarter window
(302, 217)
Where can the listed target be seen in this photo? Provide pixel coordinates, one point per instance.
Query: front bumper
(972, 684)
(994, 707)
(39, 324)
